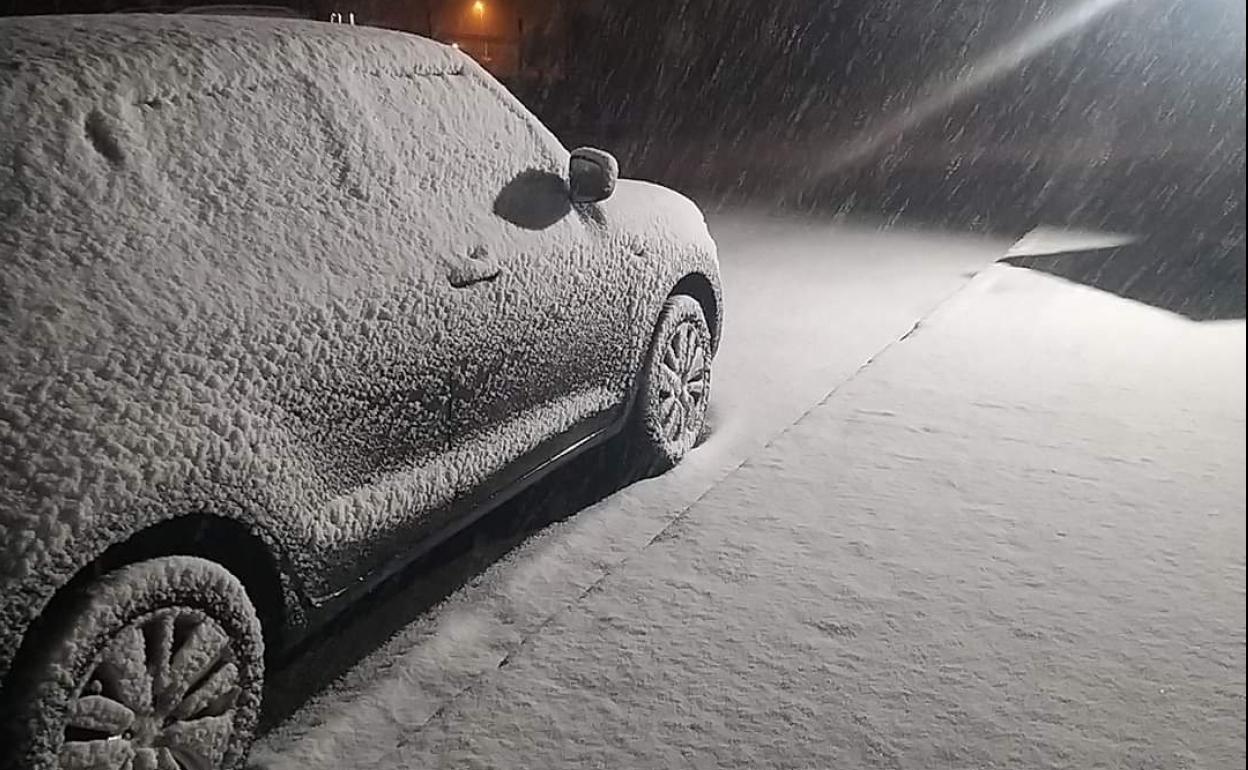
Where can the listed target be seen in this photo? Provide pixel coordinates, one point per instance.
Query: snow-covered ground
(1015, 538)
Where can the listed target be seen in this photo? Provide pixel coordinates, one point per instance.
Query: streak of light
(966, 81)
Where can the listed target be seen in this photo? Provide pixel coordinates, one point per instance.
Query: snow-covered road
(1014, 539)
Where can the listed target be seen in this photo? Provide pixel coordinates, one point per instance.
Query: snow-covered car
(283, 304)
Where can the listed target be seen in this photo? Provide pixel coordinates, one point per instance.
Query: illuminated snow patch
(1056, 240)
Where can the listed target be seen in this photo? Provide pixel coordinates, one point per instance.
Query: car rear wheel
(676, 385)
(155, 666)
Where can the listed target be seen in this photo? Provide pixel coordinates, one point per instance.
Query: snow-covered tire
(156, 661)
(670, 413)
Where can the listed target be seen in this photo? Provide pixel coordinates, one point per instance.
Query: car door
(481, 190)
(544, 336)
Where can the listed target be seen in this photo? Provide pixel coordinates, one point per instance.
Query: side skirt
(526, 471)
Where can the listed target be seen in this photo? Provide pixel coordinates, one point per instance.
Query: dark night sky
(799, 68)
(1148, 82)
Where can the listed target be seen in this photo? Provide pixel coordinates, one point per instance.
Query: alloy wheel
(683, 384)
(161, 696)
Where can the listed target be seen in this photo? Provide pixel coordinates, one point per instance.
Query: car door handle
(477, 267)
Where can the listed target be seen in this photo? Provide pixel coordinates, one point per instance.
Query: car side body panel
(225, 291)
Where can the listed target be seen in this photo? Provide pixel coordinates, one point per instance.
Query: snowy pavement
(1013, 539)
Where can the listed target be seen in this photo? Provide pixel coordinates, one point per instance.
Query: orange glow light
(478, 8)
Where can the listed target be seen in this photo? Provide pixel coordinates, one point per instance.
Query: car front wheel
(676, 385)
(157, 665)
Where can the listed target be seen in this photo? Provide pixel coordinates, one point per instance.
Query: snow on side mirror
(591, 175)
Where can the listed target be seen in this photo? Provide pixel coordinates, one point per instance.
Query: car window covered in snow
(454, 143)
(441, 126)
(244, 153)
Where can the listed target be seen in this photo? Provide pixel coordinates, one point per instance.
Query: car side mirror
(591, 175)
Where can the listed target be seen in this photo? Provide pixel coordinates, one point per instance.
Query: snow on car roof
(185, 48)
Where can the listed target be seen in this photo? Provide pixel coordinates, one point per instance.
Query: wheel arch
(226, 541)
(698, 286)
